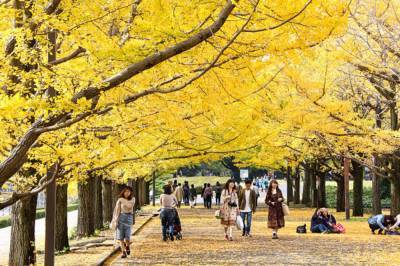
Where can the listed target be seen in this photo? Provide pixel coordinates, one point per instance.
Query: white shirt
(247, 199)
(397, 224)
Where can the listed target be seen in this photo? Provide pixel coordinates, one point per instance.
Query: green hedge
(367, 198)
(40, 213)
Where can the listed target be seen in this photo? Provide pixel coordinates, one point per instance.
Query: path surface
(203, 244)
(5, 234)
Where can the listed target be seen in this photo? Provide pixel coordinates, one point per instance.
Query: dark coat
(242, 200)
(320, 219)
(276, 218)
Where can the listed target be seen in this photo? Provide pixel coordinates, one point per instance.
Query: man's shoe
(243, 234)
(123, 256)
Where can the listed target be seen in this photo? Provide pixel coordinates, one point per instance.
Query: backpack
(302, 229)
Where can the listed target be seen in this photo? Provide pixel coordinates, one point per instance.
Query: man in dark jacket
(247, 206)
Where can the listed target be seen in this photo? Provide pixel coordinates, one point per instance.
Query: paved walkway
(203, 244)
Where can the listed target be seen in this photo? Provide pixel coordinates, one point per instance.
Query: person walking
(247, 206)
(122, 220)
(218, 191)
(274, 201)
(257, 191)
(202, 195)
(208, 193)
(168, 204)
(179, 194)
(186, 193)
(193, 196)
(229, 208)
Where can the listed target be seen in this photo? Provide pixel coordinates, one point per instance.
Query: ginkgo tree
(70, 66)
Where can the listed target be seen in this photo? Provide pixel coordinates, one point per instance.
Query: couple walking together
(243, 202)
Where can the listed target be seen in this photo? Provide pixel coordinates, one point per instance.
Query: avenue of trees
(107, 93)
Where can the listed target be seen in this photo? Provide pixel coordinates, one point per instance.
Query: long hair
(388, 220)
(227, 185)
(127, 188)
(269, 192)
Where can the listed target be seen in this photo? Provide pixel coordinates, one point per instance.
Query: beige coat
(178, 193)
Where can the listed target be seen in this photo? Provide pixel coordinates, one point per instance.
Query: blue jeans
(167, 221)
(124, 226)
(319, 228)
(246, 217)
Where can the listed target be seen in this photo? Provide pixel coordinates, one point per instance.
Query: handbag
(239, 222)
(285, 209)
(217, 214)
(339, 228)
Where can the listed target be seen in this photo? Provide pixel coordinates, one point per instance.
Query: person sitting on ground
(322, 221)
(396, 226)
(381, 222)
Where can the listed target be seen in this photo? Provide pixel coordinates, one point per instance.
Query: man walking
(179, 194)
(247, 206)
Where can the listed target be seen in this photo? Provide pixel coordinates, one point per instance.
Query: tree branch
(78, 52)
(159, 57)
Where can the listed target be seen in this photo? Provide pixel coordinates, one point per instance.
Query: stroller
(177, 227)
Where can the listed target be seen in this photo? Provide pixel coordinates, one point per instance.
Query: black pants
(208, 202)
(186, 199)
(218, 199)
(375, 227)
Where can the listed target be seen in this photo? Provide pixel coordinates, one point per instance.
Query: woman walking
(168, 204)
(229, 208)
(123, 219)
(274, 201)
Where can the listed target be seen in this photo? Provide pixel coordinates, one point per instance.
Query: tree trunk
(22, 244)
(135, 186)
(147, 193)
(98, 203)
(313, 181)
(395, 188)
(61, 239)
(340, 195)
(358, 176)
(297, 186)
(107, 201)
(289, 181)
(116, 190)
(306, 200)
(321, 189)
(86, 208)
